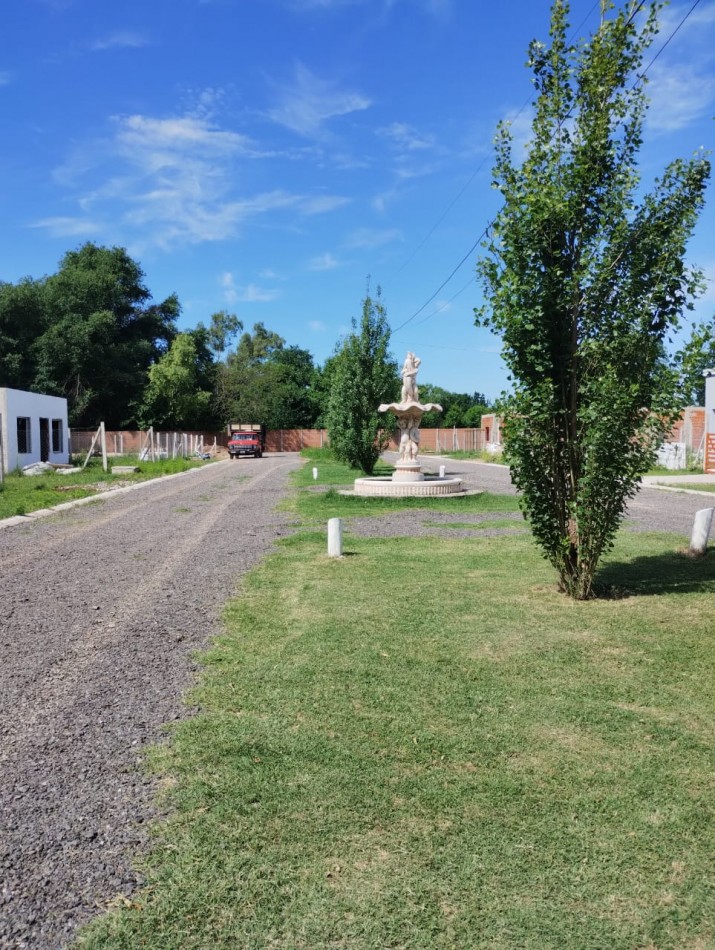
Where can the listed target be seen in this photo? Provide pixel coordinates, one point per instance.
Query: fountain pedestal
(408, 479)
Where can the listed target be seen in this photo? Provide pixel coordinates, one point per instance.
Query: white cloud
(69, 227)
(173, 181)
(317, 326)
(324, 262)
(405, 173)
(122, 39)
(230, 292)
(372, 238)
(251, 293)
(307, 103)
(320, 204)
(681, 84)
(156, 140)
(680, 94)
(405, 136)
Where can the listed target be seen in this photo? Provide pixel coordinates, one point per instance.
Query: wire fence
(149, 444)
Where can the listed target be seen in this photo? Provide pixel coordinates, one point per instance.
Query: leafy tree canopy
(88, 332)
(458, 409)
(697, 355)
(178, 395)
(584, 281)
(22, 321)
(268, 382)
(364, 375)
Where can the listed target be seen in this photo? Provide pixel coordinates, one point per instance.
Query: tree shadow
(675, 572)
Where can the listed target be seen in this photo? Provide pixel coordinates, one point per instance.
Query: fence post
(103, 438)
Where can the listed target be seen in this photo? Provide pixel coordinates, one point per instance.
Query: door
(44, 440)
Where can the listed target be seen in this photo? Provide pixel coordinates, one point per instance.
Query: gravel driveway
(102, 606)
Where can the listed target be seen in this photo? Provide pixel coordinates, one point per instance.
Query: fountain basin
(385, 487)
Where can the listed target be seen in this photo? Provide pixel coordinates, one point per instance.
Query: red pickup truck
(246, 440)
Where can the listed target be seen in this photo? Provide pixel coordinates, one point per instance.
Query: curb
(76, 502)
(683, 491)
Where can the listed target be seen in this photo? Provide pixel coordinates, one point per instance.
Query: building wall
(17, 404)
(690, 428)
(710, 420)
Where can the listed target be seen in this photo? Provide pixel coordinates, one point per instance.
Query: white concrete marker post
(335, 537)
(315, 474)
(442, 471)
(701, 531)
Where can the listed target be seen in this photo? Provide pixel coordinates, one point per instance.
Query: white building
(33, 428)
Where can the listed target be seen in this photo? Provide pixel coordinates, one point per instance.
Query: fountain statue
(408, 477)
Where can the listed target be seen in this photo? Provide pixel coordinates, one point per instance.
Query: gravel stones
(102, 608)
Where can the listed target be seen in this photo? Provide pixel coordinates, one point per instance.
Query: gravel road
(652, 509)
(102, 606)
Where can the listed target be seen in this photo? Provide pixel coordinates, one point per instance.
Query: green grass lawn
(696, 469)
(423, 745)
(20, 494)
(696, 486)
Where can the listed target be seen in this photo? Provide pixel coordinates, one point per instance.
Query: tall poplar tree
(584, 281)
(363, 376)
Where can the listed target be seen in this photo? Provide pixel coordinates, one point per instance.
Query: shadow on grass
(671, 573)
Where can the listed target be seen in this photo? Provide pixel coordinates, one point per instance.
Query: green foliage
(458, 409)
(584, 284)
(697, 355)
(178, 395)
(223, 328)
(88, 333)
(363, 376)
(22, 320)
(266, 381)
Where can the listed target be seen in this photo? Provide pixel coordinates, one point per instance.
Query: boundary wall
(690, 430)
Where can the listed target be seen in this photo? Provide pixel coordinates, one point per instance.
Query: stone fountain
(408, 479)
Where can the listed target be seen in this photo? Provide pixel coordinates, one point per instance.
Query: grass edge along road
(22, 494)
(424, 745)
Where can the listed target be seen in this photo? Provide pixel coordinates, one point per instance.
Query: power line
(640, 78)
(481, 164)
(444, 282)
(443, 306)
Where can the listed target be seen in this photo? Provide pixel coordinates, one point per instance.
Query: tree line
(92, 333)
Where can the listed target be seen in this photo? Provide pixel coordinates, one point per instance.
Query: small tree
(364, 375)
(697, 355)
(584, 284)
(178, 394)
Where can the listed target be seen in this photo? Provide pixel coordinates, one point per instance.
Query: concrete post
(315, 474)
(335, 537)
(701, 531)
(442, 471)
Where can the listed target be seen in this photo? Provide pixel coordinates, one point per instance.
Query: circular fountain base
(386, 487)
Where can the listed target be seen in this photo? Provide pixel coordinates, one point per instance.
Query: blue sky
(266, 156)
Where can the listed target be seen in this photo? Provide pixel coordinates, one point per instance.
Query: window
(24, 444)
(57, 436)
